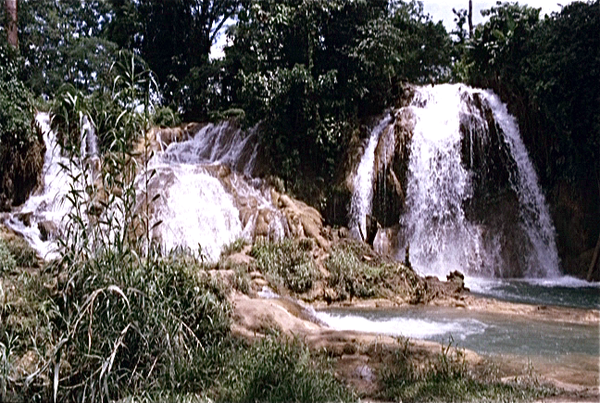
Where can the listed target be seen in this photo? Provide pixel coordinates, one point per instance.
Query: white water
(402, 326)
(218, 144)
(434, 224)
(440, 237)
(198, 209)
(201, 204)
(46, 204)
(362, 196)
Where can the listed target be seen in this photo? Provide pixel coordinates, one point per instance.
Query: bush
(287, 263)
(23, 253)
(20, 151)
(351, 276)
(7, 260)
(275, 370)
(165, 117)
(445, 378)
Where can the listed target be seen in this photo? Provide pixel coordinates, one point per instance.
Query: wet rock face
(487, 155)
(20, 172)
(391, 164)
(575, 209)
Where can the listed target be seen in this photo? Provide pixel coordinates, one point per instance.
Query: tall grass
(127, 327)
(275, 370)
(446, 378)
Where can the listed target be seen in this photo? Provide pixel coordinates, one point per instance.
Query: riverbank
(272, 290)
(361, 355)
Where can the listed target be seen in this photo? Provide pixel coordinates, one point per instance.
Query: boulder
(48, 229)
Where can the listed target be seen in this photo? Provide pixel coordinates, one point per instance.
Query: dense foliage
(311, 71)
(548, 71)
(20, 152)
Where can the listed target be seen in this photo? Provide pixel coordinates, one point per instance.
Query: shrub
(287, 263)
(445, 378)
(274, 370)
(20, 151)
(7, 260)
(165, 117)
(352, 276)
(23, 253)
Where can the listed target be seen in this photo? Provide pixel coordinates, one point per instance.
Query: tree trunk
(12, 26)
(470, 18)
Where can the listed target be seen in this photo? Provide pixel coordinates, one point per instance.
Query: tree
(174, 37)
(311, 70)
(12, 23)
(60, 43)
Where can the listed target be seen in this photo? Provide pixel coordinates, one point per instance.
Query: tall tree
(470, 18)
(59, 41)
(12, 23)
(173, 36)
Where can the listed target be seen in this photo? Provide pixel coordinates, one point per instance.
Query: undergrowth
(446, 378)
(117, 329)
(233, 247)
(356, 275)
(276, 370)
(23, 254)
(287, 263)
(7, 260)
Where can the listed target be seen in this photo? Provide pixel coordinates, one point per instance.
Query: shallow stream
(489, 333)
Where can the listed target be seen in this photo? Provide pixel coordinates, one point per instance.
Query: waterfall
(223, 143)
(205, 200)
(534, 211)
(458, 213)
(89, 142)
(362, 196)
(47, 206)
(472, 202)
(440, 237)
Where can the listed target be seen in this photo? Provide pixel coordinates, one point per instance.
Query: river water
(490, 333)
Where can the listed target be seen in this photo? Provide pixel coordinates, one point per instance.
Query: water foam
(402, 326)
(47, 204)
(362, 197)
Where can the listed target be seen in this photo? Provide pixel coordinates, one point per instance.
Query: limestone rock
(48, 229)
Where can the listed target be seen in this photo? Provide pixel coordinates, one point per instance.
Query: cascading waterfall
(47, 205)
(536, 221)
(222, 143)
(204, 202)
(88, 140)
(473, 202)
(440, 237)
(362, 197)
